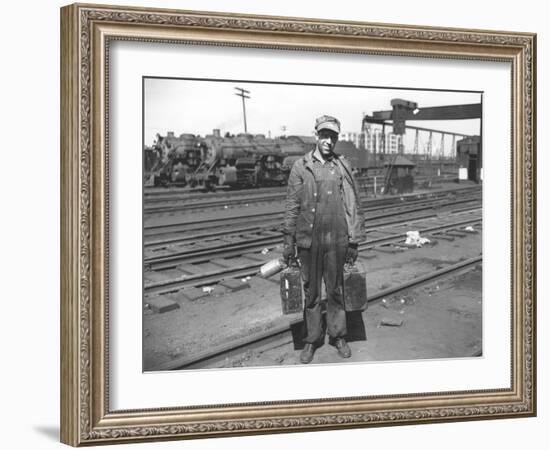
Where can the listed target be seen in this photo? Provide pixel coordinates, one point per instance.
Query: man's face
(326, 141)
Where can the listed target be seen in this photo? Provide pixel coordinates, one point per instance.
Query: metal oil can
(355, 288)
(272, 267)
(291, 290)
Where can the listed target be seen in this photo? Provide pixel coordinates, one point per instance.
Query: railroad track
(180, 202)
(282, 334)
(183, 193)
(220, 202)
(174, 225)
(210, 266)
(208, 229)
(270, 227)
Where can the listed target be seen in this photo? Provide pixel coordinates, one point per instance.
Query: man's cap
(327, 123)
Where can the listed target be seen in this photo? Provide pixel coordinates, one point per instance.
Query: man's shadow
(354, 323)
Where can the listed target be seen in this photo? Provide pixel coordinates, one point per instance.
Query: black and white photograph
(291, 224)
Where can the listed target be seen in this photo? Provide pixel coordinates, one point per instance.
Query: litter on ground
(414, 238)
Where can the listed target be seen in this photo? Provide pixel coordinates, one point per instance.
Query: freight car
(244, 160)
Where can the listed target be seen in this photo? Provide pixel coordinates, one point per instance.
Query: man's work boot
(306, 355)
(343, 348)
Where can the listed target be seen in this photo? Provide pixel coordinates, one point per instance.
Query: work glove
(289, 249)
(351, 254)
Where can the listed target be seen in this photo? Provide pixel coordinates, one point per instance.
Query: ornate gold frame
(86, 31)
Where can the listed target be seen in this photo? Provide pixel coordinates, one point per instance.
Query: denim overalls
(325, 259)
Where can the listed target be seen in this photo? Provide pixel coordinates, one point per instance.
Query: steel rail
(393, 212)
(249, 243)
(184, 194)
(214, 203)
(235, 249)
(253, 198)
(430, 202)
(244, 270)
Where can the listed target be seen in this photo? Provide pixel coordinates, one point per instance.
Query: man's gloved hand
(289, 249)
(352, 253)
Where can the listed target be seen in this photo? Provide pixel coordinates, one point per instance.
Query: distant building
(376, 142)
(357, 138)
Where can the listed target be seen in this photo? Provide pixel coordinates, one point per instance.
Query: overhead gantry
(405, 110)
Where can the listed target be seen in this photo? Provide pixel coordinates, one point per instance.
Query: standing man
(322, 226)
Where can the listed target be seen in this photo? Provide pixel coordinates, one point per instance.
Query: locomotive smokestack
(216, 132)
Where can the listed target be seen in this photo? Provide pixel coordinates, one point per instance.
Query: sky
(198, 107)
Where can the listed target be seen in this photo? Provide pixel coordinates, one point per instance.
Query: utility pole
(243, 94)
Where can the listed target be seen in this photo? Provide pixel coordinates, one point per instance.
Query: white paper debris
(265, 251)
(470, 229)
(413, 238)
(207, 289)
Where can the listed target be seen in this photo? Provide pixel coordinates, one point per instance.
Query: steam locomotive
(237, 161)
(244, 160)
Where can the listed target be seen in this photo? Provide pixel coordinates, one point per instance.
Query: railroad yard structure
(212, 217)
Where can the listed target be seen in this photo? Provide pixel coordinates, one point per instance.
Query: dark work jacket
(302, 197)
